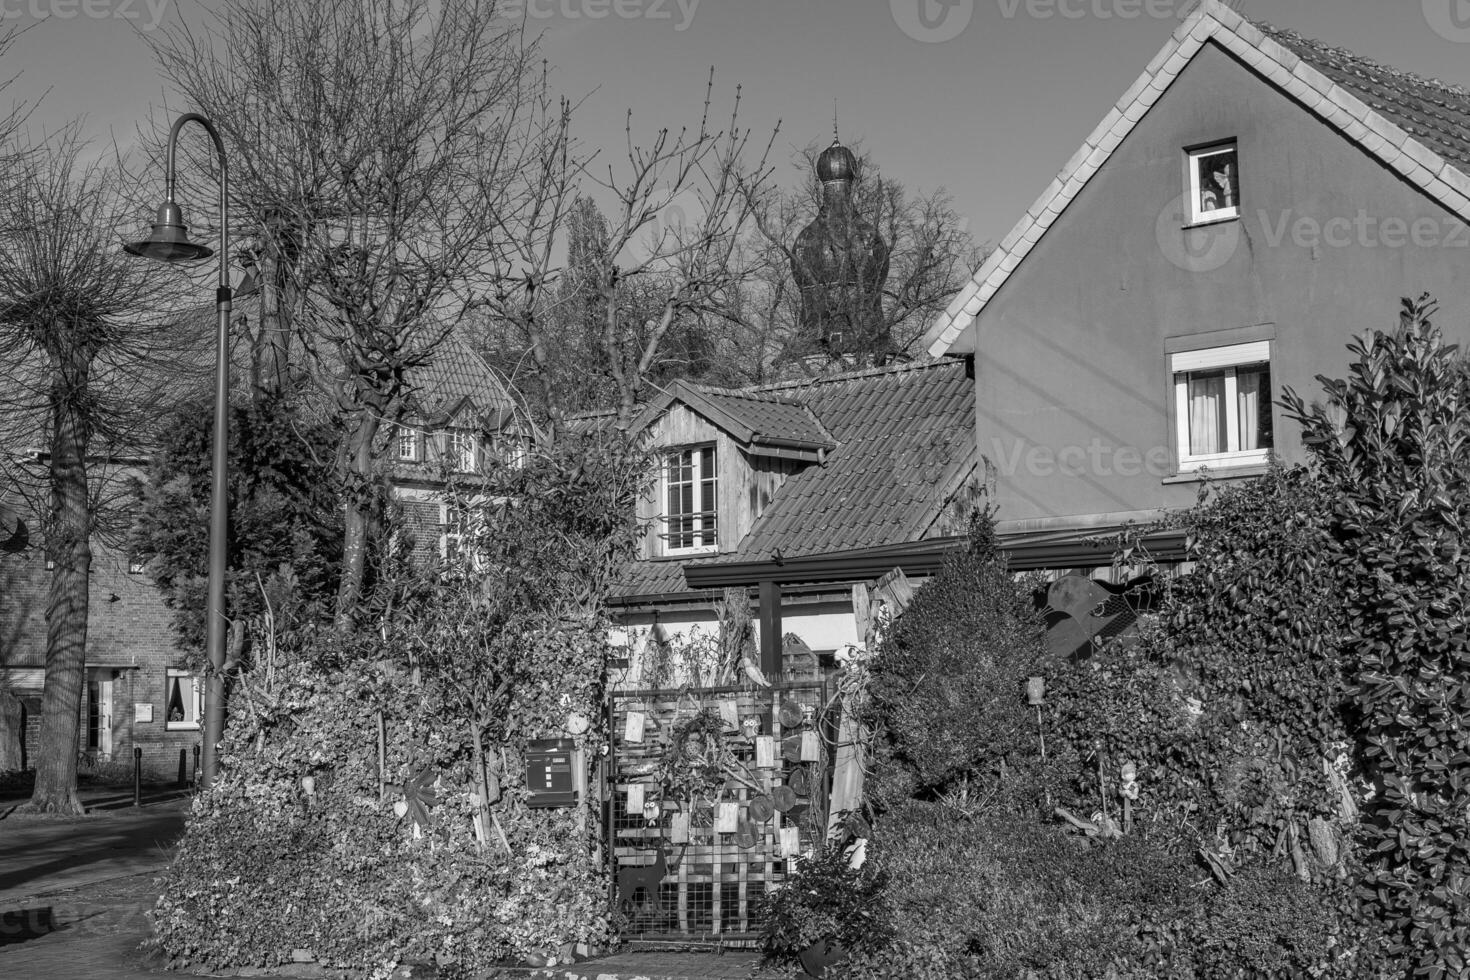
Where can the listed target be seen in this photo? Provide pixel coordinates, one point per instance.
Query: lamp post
(169, 242)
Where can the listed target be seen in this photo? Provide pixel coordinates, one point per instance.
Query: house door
(99, 712)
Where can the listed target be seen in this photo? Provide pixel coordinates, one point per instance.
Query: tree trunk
(358, 519)
(10, 733)
(68, 545)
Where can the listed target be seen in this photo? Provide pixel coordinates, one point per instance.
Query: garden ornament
(651, 810)
(1129, 787)
(790, 714)
(633, 877)
(800, 781)
(808, 713)
(418, 796)
(750, 725)
(1036, 697)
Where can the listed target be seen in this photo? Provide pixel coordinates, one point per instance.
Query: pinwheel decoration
(418, 796)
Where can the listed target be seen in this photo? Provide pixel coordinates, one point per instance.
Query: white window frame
(449, 519)
(1215, 359)
(1192, 158)
(462, 448)
(406, 436)
(707, 536)
(511, 448)
(192, 690)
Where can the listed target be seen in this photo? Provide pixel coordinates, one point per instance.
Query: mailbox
(549, 775)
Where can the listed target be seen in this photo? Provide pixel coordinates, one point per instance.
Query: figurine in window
(175, 713)
(1217, 190)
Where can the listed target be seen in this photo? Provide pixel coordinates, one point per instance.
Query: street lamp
(170, 243)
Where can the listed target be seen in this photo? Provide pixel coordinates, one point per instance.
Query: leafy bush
(1393, 443)
(825, 899)
(946, 693)
(1229, 703)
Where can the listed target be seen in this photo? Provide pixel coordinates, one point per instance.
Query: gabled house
(793, 493)
(1252, 201)
(460, 415)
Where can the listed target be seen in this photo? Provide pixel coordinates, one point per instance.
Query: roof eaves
(1211, 20)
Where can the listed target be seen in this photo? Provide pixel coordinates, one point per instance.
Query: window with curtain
(690, 498)
(1223, 404)
(183, 699)
(1214, 183)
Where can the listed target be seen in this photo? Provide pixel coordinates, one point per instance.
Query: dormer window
(1214, 183)
(462, 446)
(690, 498)
(406, 444)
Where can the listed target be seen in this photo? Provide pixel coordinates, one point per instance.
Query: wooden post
(770, 610)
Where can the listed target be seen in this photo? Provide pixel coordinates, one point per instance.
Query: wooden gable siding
(746, 484)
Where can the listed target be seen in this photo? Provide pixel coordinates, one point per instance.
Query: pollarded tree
(81, 339)
(374, 150)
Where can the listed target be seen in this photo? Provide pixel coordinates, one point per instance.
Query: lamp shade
(170, 239)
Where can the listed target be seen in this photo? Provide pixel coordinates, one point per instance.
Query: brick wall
(129, 641)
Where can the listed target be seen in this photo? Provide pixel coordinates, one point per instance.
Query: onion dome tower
(840, 264)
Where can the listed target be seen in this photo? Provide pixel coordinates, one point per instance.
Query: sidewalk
(74, 893)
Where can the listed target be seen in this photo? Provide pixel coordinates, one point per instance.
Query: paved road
(73, 892)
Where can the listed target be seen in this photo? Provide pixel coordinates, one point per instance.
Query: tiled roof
(456, 375)
(1415, 127)
(769, 416)
(754, 418)
(905, 444)
(1435, 113)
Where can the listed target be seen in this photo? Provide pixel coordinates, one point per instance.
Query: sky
(985, 98)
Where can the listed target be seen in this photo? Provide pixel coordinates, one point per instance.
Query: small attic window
(406, 444)
(1214, 183)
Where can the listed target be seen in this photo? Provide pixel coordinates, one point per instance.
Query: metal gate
(713, 792)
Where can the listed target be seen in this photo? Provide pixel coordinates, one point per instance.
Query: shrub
(946, 694)
(825, 899)
(1003, 894)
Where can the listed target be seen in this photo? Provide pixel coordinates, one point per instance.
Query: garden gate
(712, 792)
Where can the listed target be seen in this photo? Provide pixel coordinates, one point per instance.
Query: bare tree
(665, 252)
(78, 348)
(375, 145)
